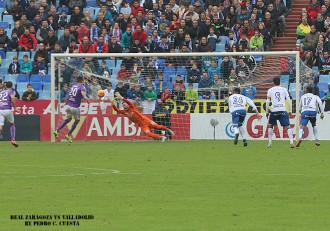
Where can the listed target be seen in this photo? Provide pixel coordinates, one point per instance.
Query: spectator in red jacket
(140, 34)
(247, 29)
(86, 46)
(135, 9)
(312, 10)
(82, 32)
(123, 74)
(27, 41)
(100, 46)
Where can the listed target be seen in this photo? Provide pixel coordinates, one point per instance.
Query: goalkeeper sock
(316, 133)
(153, 135)
(270, 135)
(242, 131)
(290, 134)
(12, 131)
(301, 132)
(160, 127)
(65, 122)
(74, 125)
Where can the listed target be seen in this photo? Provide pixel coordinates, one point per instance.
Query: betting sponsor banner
(111, 127)
(201, 128)
(27, 128)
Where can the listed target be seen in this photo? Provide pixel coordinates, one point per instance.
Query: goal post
(267, 67)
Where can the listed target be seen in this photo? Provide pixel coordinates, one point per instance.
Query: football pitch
(142, 186)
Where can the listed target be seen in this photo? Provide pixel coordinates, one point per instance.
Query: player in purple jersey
(7, 101)
(76, 95)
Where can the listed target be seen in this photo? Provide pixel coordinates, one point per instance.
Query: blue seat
(195, 86)
(47, 79)
(115, 72)
(324, 79)
(160, 64)
(2, 4)
(323, 87)
(9, 33)
(37, 86)
(35, 79)
(8, 18)
(12, 78)
(10, 55)
(60, 33)
(125, 10)
(6, 62)
(91, 4)
(3, 55)
(47, 86)
(111, 63)
(285, 80)
(322, 94)
(44, 95)
(220, 47)
(181, 71)
(22, 53)
(3, 70)
(4, 25)
(23, 78)
(118, 62)
(169, 73)
(21, 87)
(169, 85)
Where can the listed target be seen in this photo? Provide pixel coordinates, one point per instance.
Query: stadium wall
(33, 123)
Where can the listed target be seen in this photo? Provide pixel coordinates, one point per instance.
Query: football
(100, 93)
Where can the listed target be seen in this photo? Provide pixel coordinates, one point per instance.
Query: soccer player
(76, 95)
(278, 95)
(237, 103)
(7, 101)
(308, 107)
(130, 111)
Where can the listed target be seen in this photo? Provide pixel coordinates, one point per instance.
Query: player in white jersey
(237, 103)
(278, 95)
(308, 107)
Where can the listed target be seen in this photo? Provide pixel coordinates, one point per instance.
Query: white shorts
(73, 112)
(6, 115)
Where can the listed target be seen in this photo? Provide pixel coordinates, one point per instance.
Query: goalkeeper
(130, 111)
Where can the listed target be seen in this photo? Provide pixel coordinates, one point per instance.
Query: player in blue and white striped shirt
(308, 107)
(237, 104)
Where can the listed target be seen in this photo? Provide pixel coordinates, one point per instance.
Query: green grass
(196, 185)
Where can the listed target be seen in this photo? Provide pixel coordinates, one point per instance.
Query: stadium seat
(44, 95)
(118, 62)
(181, 71)
(60, 33)
(111, 63)
(3, 71)
(4, 25)
(324, 79)
(257, 58)
(37, 86)
(285, 80)
(9, 33)
(46, 79)
(114, 72)
(160, 63)
(169, 85)
(220, 47)
(10, 55)
(23, 78)
(46, 86)
(322, 94)
(91, 4)
(22, 53)
(1, 10)
(6, 63)
(2, 4)
(3, 55)
(12, 78)
(125, 10)
(21, 87)
(35, 79)
(169, 73)
(195, 86)
(323, 87)
(8, 18)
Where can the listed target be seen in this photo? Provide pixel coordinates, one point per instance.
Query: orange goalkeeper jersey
(133, 114)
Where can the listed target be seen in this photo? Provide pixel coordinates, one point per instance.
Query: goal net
(184, 91)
